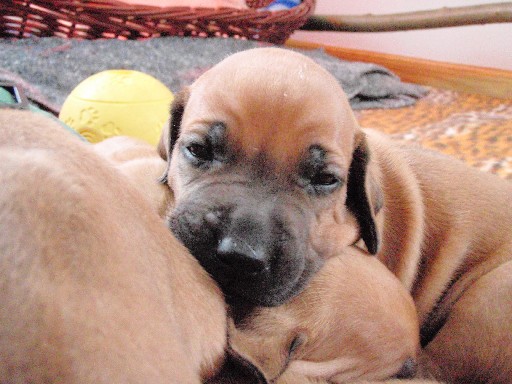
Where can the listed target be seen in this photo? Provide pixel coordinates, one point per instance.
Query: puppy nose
(239, 254)
(408, 370)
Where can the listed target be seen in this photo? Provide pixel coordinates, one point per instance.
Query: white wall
(480, 45)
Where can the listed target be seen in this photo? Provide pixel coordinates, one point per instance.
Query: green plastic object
(6, 97)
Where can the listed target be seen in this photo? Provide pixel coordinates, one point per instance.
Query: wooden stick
(437, 18)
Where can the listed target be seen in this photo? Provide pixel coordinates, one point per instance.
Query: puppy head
(267, 165)
(354, 321)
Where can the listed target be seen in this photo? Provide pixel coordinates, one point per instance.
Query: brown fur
(94, 288)
(354, 321)
(266, 117)
(454, 257)
(354, 301)
(142, 165)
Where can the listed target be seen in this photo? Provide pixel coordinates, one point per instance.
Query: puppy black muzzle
(256, 249)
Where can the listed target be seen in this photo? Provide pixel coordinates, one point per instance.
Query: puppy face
(354, 321)
(261, 162)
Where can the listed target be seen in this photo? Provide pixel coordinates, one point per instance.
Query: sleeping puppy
(354, 321)
(94, 288)
(272, 176)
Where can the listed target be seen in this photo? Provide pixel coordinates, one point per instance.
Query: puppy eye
(320, 183)
(323, 179)
(296, 343)
(324, 183)
(199, 152)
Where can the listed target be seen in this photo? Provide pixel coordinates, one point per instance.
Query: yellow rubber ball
(118, 102)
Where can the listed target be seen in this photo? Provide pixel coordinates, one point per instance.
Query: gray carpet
(49, 68)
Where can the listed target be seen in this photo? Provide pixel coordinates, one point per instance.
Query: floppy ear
(237, 369)
(171, 130)
(163, 144)
(364, 195)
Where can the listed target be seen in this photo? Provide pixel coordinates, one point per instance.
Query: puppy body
(94, 287)
(272, 176)
(454, 256)
(354, 321)
(143, 167)
(456, 219)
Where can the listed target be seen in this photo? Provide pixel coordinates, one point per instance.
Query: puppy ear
(237, 369)
(364, 196)
(171, 130)
(163, 144)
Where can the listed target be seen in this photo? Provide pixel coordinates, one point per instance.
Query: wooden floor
(467, 113)
(462, 78)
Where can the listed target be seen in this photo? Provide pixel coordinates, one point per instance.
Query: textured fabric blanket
(50, 67)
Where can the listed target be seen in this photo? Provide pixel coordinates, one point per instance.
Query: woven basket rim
(90, 19)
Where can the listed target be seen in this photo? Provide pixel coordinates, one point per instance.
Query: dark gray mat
(52, 67)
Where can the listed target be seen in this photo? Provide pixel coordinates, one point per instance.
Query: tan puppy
(94, 288)
(354, 301)
(272, 176)
(355, 320)
(450, 226)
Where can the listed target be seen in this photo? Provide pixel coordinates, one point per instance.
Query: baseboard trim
(462, 78)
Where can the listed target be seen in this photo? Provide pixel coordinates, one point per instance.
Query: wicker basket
(112, 19)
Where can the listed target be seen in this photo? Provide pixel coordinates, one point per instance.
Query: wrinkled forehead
(271, 103)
